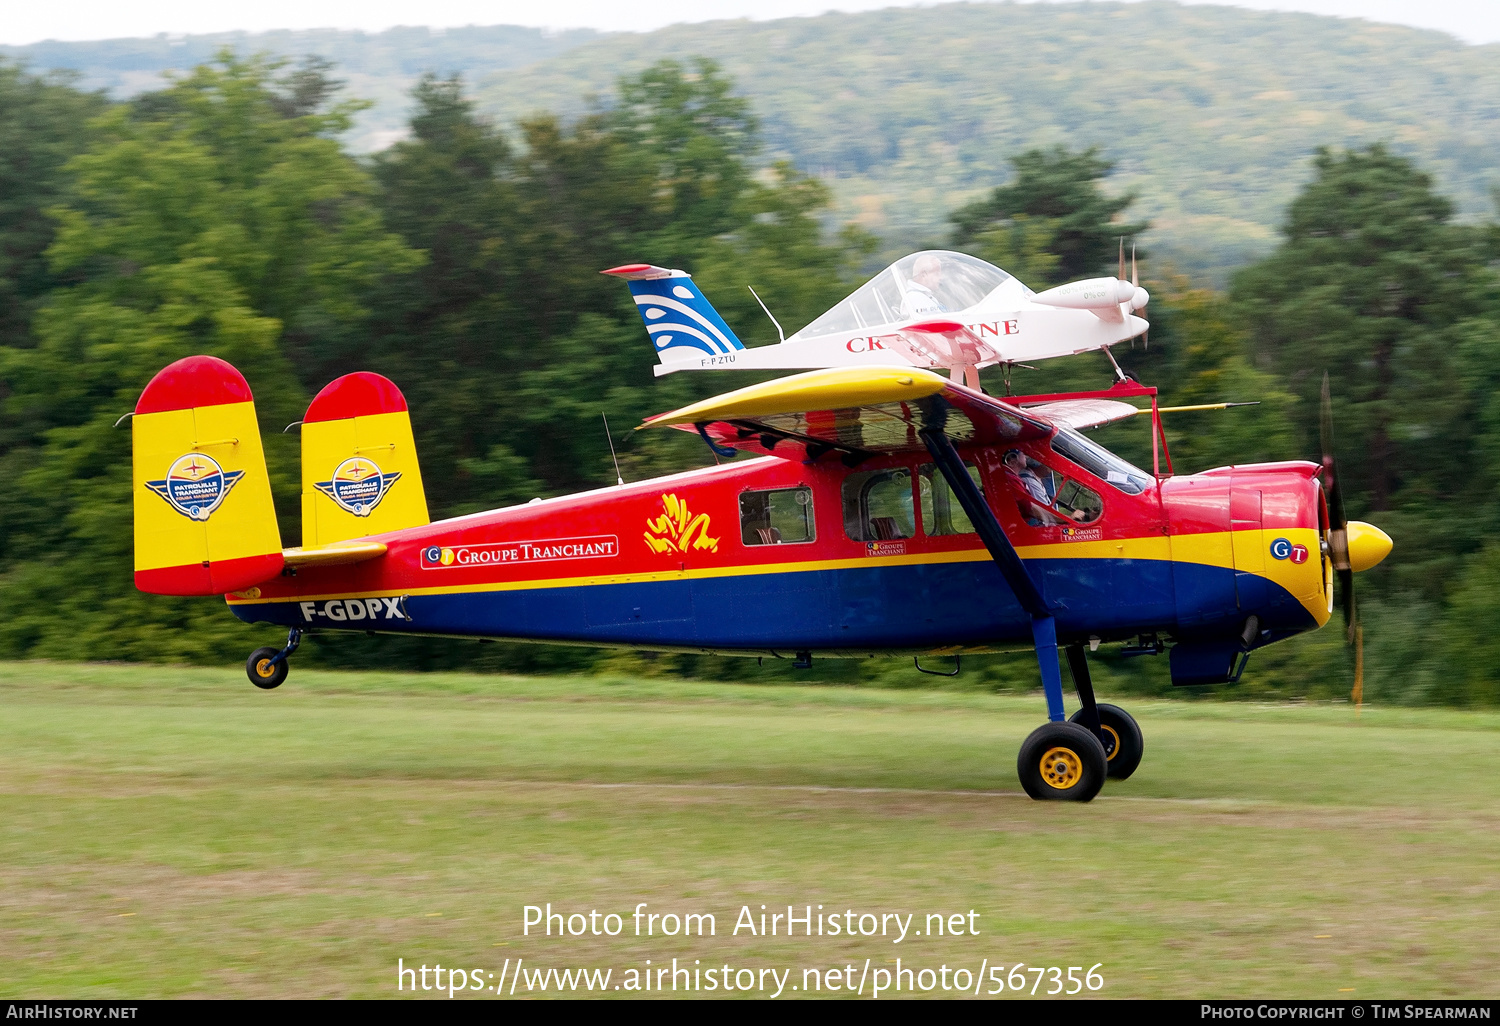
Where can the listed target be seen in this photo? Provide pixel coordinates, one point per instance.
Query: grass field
(174, 832)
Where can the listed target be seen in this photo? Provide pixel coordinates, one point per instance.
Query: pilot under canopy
(927, 283)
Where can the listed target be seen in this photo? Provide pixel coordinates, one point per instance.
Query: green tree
(1372, 284)
(693, 139)
(207, 218)
(511, 316)
(1053, 219)
(1205, 357)
(44, 122)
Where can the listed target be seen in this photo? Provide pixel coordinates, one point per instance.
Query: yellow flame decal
(677, 530)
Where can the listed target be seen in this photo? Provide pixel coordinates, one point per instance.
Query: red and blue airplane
(887, 510)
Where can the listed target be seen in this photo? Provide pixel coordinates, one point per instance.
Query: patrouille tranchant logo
(196, 485)
(677, 530)
(358, 485)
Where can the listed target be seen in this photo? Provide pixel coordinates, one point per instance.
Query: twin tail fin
(204, 523)
(204, 519)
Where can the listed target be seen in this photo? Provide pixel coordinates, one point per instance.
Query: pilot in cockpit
(1033, 500)
(921, 289)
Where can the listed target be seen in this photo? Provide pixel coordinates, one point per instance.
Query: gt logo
(1283, 549)
(344, 610)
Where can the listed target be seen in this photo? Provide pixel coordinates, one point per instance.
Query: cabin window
(941, 512)
(1100, 462)
(1046, 498)
(878, 505)
(1079, 502)
(779, 516)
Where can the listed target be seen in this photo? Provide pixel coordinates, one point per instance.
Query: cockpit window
(1100, 462)
(933, 282)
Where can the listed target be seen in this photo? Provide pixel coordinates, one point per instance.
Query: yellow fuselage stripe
(1208, 549)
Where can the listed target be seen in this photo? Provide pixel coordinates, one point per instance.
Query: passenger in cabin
(1032, 498)
(921, 290)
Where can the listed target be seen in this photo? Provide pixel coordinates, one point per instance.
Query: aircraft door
(1249, 552)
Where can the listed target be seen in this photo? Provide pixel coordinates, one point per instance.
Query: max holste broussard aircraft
(890, 510)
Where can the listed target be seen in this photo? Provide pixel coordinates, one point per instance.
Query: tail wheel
(1123, 746)
(262, 672)
(1061, 762)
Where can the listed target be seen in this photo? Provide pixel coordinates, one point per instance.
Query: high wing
(853, 411)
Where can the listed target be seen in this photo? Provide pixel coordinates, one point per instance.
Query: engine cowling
(1090, 294)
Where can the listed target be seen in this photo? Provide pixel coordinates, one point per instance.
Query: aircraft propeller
(1142, 295)
(1337, 541)
(1139, 297)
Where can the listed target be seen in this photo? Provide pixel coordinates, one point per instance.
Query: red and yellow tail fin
(359, 462)
(204, 522)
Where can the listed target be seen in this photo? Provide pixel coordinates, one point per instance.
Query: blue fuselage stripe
(879, 607)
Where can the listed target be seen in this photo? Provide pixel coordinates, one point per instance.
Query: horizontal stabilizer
(337, 554)
(643, 272)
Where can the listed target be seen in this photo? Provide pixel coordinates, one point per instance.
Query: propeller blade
(1351, 608)
(1337, 519)
(1136, 281)
(1358, 694)
(1121, 275)
(1338, 522)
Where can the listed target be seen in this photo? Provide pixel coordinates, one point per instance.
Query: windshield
(1100, 462)
(934, 281)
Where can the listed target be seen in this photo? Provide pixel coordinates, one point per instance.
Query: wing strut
(1012, 568)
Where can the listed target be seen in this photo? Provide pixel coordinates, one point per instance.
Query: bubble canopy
(930, 282)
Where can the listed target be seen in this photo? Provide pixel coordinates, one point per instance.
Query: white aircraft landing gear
(268, 667)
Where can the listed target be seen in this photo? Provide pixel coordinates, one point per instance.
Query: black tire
(261, 673)
(1061, 762)
(1122, 753)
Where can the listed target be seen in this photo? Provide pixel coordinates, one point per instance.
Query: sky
(1474, 21)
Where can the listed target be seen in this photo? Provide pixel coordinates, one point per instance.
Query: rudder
(359, 462)
(683, 325)
(204, 520)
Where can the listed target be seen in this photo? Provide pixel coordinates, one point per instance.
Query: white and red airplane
(933, 309)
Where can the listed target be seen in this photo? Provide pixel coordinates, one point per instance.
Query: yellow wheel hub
(1061, 768)
(264, 668)
(1114, 749)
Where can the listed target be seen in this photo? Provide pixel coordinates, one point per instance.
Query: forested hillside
(224, 215)
(1211, 114)
(381, 67)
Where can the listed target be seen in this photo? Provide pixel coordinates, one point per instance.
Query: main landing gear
(1070, 761)
(1062, 761)
(268, 667)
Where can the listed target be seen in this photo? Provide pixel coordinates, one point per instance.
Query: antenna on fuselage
(780, 334)
(619, 480)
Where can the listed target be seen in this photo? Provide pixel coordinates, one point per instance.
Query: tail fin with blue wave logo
(685, 329)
